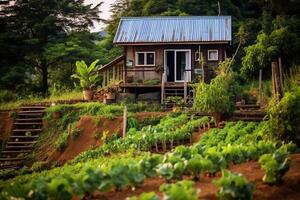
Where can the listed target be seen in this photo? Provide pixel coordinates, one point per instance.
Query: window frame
(145, 58)
(212, 50)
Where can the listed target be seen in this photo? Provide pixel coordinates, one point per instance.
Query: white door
(182, 64)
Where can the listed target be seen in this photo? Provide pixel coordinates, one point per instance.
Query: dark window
(150, 58)
(141, 59)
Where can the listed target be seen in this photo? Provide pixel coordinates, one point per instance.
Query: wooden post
(124, 121)
(104, 78)
(280, 73)
(114, 74)
(185, 86)
(162, 88)
(202, 66)
(260, 88)
(273, 79)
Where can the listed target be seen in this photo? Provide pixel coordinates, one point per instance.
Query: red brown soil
(289, 190)
(89, 127)
(6, 123)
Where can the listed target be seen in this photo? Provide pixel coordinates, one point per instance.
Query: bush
(284, 117)
(234, 186)
(6, 96)
(216, 96)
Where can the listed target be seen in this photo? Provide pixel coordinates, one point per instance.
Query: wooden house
(166, 54)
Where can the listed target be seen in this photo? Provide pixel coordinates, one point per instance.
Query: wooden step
(22, 143)
(27, 130)
(18, 147)
(31, 111)
(11, 159)
(33, 107)
(28, 123)
(247, 119)
(37, 115)
(29, 120)
(14, 137)
(10, 167)
(15, 152)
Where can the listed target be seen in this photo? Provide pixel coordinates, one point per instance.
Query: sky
(105, 12)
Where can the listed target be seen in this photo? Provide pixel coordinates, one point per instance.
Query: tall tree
(40, 22)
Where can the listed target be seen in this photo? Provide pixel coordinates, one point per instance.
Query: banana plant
(87, 75)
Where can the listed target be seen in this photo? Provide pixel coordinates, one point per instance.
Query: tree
(40, 22)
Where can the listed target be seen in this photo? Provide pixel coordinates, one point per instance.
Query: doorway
(176, 63)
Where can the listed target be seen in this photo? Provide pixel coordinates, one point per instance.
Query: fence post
(124, 121)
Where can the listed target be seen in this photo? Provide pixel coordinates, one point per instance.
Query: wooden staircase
(26, 129)
(248, 113)
(177, 90)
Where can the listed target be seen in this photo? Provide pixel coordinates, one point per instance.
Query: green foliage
(198, 165)
(284, 116)
(275, 165)
(145, 196)
(6, 96)
(180, 190)
(62, 141)
(87, 74)
(216, 96)
(234, 186)
(270, 46)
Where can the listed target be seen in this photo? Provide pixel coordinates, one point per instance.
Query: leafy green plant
(62, 141)
(234, 186)
(87, 74)
(275, 165)
(180, 190)
(197, 165)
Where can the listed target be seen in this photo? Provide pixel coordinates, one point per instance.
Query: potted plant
(88, 77)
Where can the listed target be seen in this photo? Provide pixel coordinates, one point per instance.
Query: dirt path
(289, 190)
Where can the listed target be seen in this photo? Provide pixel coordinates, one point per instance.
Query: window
(145, 58)
(213, 55)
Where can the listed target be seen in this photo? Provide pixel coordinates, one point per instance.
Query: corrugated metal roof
(173, 29)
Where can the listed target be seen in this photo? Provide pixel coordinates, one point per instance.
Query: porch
(140, 79)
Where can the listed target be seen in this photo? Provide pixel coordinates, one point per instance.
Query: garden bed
(289, 190)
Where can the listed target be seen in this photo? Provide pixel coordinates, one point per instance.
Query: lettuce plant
(180, 190)
(275, 165)
(234, 186)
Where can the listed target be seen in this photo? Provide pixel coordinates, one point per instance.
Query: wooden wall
(159, 58)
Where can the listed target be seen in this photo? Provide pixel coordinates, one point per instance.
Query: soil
(288, 190)
(6, 124)
(90, 126)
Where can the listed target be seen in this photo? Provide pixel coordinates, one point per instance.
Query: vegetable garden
(108, 168)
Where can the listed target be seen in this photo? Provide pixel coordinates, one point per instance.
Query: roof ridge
(177, 17)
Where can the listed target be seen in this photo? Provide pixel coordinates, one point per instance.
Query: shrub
(6, 96)
(216, 96)
(234, 186)
(275, 165)
(284, 117)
